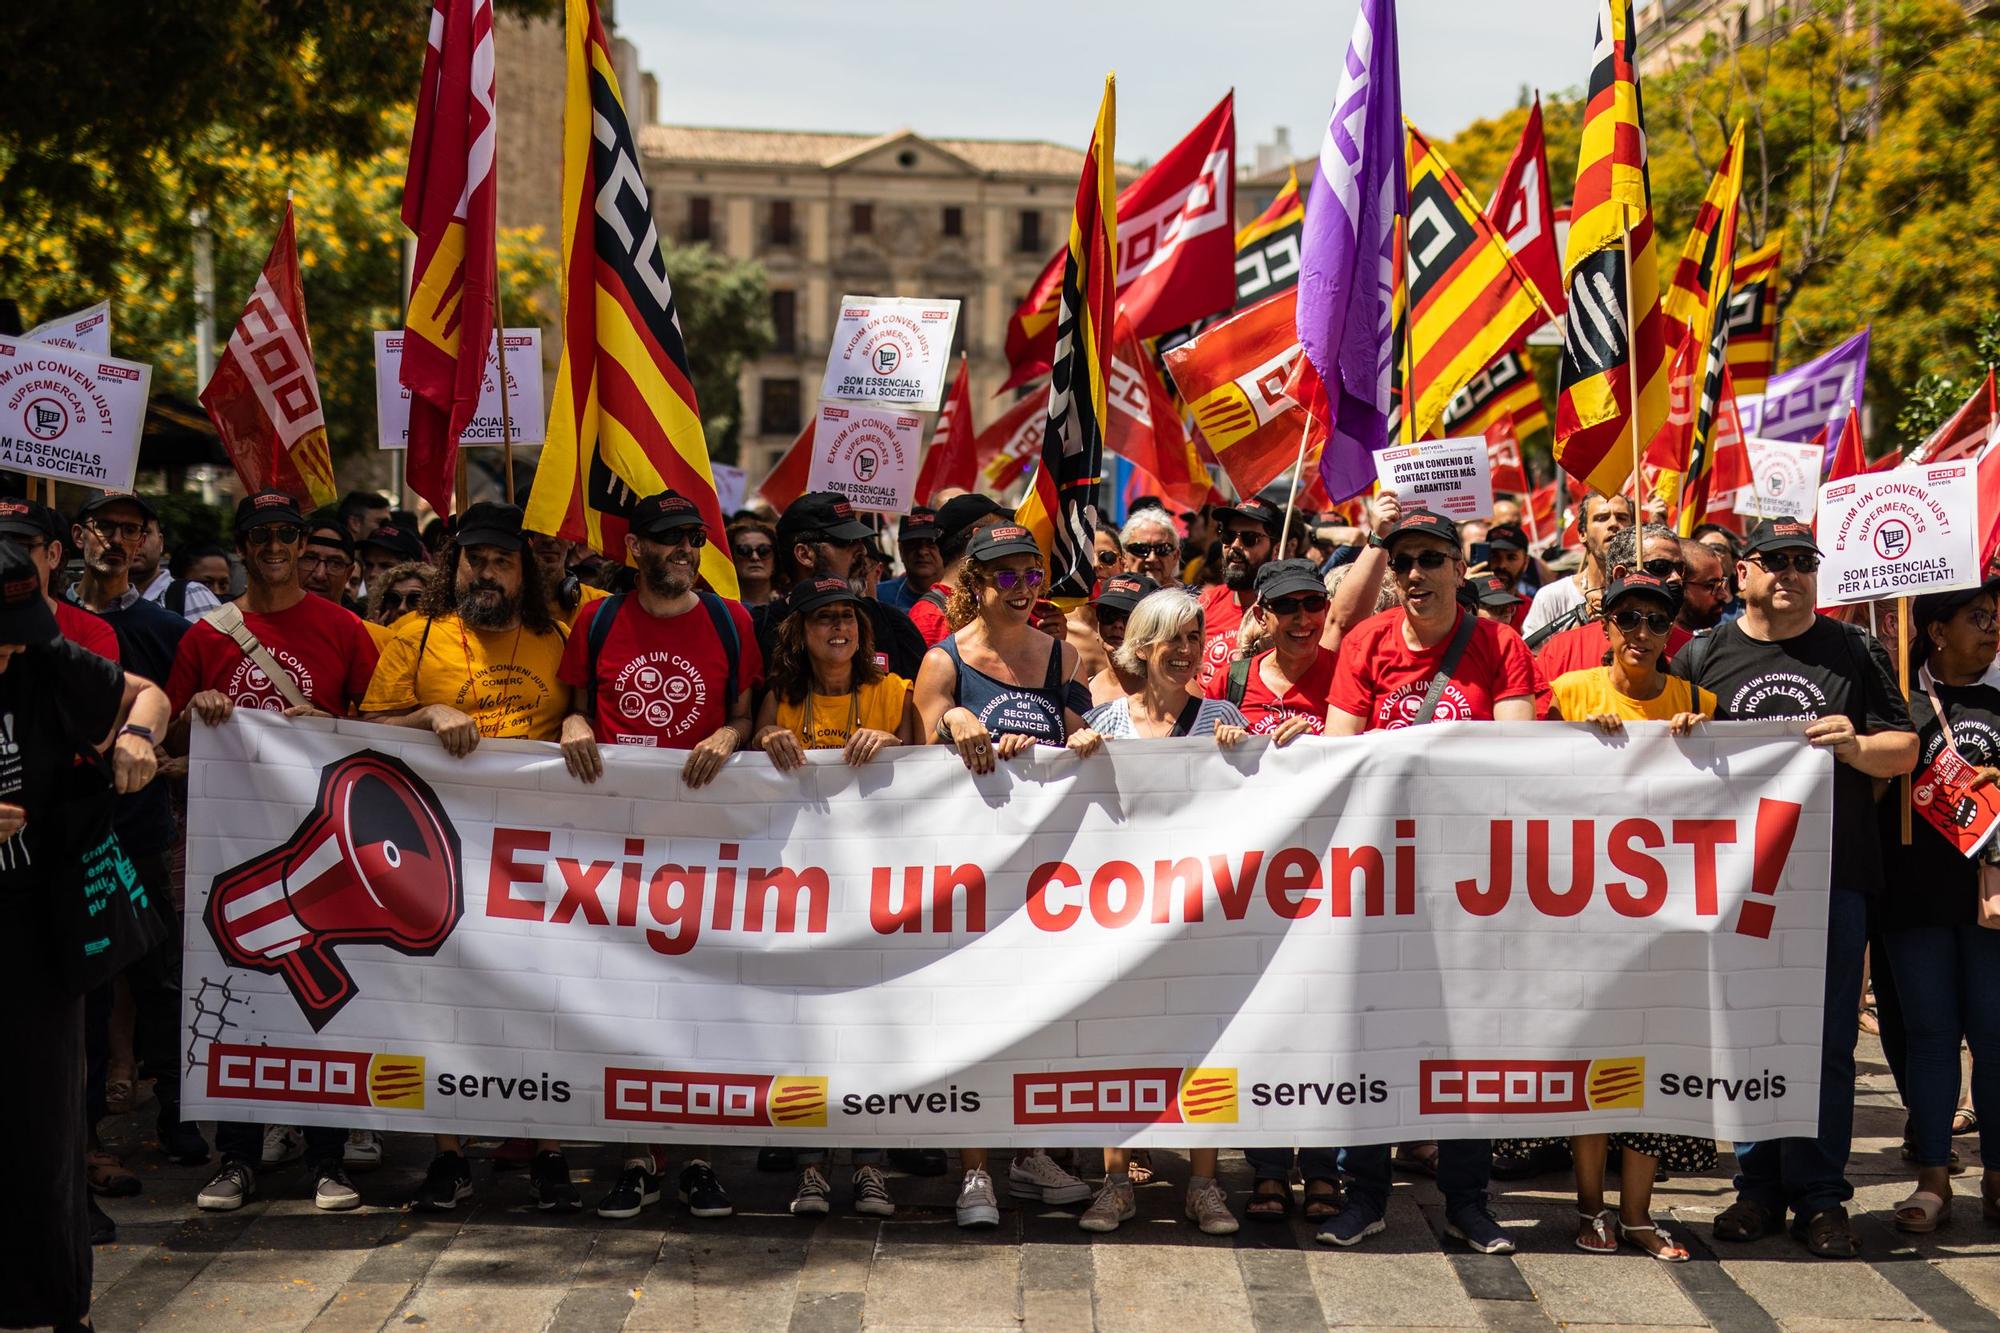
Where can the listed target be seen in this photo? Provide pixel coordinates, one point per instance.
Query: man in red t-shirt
(1387, 661)
(1282, 691)
(1585, 646)
(37, 531)
(1249, 540)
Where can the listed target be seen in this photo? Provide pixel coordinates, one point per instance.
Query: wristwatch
(134, 729)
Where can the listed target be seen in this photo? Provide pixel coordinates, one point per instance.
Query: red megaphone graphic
(376, 862)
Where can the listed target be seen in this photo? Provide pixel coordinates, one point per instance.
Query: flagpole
(1298, 466)
(1903, 680)
(1632, 367)
(506, 409)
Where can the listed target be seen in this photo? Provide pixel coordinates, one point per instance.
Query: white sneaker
(977, 1204)
(282, 1143)
(1032, 1175)
(1114, 1204)
(363, 1151)
(1209, 1208)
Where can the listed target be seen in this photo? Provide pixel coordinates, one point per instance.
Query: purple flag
(1816, 396)
(1347, 258)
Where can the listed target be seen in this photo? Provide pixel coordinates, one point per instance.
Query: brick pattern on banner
(1463, 930)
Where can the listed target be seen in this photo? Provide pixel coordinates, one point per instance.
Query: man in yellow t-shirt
(1638, 612)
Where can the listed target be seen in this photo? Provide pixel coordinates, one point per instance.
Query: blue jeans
(1464, 1166)
(1810, 1175)
(1276, 1163)
(1948, 978)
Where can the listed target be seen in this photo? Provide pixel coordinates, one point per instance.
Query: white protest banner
(87, 331)
(524, 392)
(1460, 930)
(868, 455)
(891, 349)
(728, 487)
(71, 415)
(1787, 480)
(1899, 533)
(1449, 477)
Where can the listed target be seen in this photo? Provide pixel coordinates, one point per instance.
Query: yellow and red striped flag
(623, 423)
(1753, 319)
(1615, 333)
(1234, 378)
(1505, 392)
(1060, 508)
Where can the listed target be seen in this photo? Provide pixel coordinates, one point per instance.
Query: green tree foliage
(726, 321)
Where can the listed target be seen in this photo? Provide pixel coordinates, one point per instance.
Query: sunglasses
(1147, 550)
(753, 552)
(1777, 562)
(1665, 570)
(1659, 622)
(1308, 601)
(282, 533)
(1006, 580)
(1107, 558)
(396, 601)
(117, 532)
(694, 537)
(1245, 537)
(1429, 560)
(1110, 616)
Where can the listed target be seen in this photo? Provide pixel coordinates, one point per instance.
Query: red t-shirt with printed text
(325, 648)
(1221, 617)
(87, 630)
(1265, 711)
(1379, 677)
(660, 679)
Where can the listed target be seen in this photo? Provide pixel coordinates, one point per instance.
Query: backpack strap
(228, 618)
(732, 643)
(175, 598)
(936, 598)
(1460, 638)
(1239, 679)
(1184, 724)
(600, 630)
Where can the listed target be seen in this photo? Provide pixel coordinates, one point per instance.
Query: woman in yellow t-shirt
(826, 688)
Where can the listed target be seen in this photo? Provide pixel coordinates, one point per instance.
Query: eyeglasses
(1107, 558)
(1665, 570)
(1777, 562)
(1429, 560)
(1147, 550)
(753, 552)
(116, 532)
(1245, 537)
(1716, 586)
(1006, 580)
(1983, 621)
(1313, 603)
(1659, 622)
(311, 560)
(284, 534)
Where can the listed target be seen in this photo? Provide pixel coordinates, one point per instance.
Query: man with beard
(669, 666)
(328, 561)
(181, 593)
(1249, 539)
(917, 544)
(819, 537)
(1707, 593)
(1567, 602)
(37, 531)
(481, 662)
(568, 594)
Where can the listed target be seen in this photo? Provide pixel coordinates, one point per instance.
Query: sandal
(120, 1096)
(1139, 1167)
(1922, 1213)
(109, 1176)
(1422, 1158)
(1269, 1206)
(1594, 1236)
(1870, 1024)
(1322, 1205)
(1671, 1251)
(1964, 1121)
(1827, 1234)
(1746, 1220)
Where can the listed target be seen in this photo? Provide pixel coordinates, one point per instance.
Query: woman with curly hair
(397, 591)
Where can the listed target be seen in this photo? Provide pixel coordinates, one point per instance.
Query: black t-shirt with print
(1830, 670)
(1931, 883)
(52, 700)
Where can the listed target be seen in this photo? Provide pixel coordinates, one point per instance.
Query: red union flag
(1176, 241)
(264, 397)
(1525, 214)
(448, 202)
(1143, 427)
(1233, 379)
(1009, 447)
(952, 462)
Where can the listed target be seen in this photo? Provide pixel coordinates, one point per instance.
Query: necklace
(853, 713)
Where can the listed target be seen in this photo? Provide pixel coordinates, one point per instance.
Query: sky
(1033, 69)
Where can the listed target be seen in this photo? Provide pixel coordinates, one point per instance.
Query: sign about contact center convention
(868, 455)
(892, 350)
(1449, 477)
(71, 415)
(1899, 533)
(524, 392)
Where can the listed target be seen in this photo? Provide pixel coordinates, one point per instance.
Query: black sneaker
(702, 1192)
(918, 1161)
(184, 1145)
(777, 1159)
(447, 1184)
(549, 1184)
(636, 1188)
(103, 1230)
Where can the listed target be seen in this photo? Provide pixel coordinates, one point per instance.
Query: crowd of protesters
(1233, 622)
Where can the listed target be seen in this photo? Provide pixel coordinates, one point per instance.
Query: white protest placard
(524, 392)
(867, 454)
(71, 415)
(1450, 477)
(1786, 479)
(85, 331)
(1899, 533)
(728, 487)
(891, 349)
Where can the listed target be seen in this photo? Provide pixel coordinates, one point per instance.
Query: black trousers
(155, 981)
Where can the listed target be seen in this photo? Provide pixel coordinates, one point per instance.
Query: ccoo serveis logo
(315, 1077)
(1527, 1087)
(1156, 1096)
(690, 1097)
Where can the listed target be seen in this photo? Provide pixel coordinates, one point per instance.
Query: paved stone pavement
(279, 1264)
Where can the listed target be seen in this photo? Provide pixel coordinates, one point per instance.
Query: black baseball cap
(490, 523)
(825, 512)
(1778, 534)
(327, 530)
(669, 511)
(27, 518)
(919, 525)
(1929, 608)
(24, 612)
(809, 595)
(1122, 592)
(105, 499)
(1258, 510)
(962, 511)
(1279, 578)
(397, 541)
(1507, 537)
(254, 511)
(1496, 592)
(1640, 585)
(1002, 539)
(1423, 522)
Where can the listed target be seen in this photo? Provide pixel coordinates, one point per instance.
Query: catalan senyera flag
(1615, 333)
(1233, 378)
(623, 421)
(951, 462)
(448, 201)
(264, 395)
(1469, 298)
(1504, 391)
(1143, 426)
(1061, 505)
(1753, 318)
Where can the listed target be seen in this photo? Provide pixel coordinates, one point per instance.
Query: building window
(778, 407)
(954, 222)
(701, 218)
(861, 219)
(1028, 239)
(781, 222)
(784, 321)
